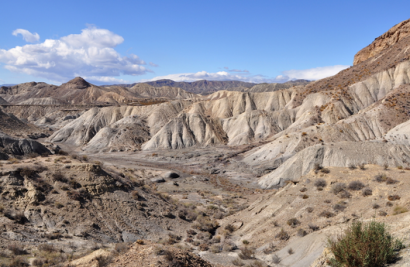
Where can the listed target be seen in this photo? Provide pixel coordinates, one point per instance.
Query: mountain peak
(78, 83)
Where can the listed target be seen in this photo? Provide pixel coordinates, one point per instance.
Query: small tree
(364, 244)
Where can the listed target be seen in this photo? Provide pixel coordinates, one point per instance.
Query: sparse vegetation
(399, 210)
(313, 227)
(367, 192)
(276, 259)
(247, 253)
(338, 187)
(356, 185)
(320, 183)
(393, 197)
(364, 244)
(282, 235)
(326, 214)
(352, 166)
(381, 177)
(293, 222)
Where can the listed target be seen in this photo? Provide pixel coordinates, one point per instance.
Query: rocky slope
(388, 39)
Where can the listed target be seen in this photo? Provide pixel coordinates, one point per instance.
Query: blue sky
(131, 41)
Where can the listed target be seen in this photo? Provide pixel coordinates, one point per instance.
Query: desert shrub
(338, 187)
(393, 197)
(399, 210)
(59, 176)
(325, 170)
(245, 242)
(205, 224)
(103, 260)
(16, 249)
(364, 244)
(203, 247)
(293, 222)
(305, 196)
(271, 248)
(238, 262)
(73, 184)
(400, 167)
(391, 181)
(121, 248)
(246, 253)
(28, 172)
(58, 205)
(375, 206)
(230, 228)
(326, 214)
(84, 158)
(309, 209)
(327, 201)
(219, 215)
(301, 232)
(74, 195)
(290, 251)
(276, 259)
(339, 207)
(304, 189)
(215, 249)
(356, 185)
(38, 262)
(282, 235)
(344, 194)
(16, 216)
(135, 195)
(187, 215)
(389, 204)
(382, 213)
(362, 166)
(320, 183)
(367, 192)
(381, 177)
(18, 262)
(352, 166)
(385, 166)
(47, 248)
(313, 227)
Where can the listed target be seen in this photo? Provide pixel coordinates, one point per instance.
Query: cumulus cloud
(27, 36)
(245, 76)
(236, 70)
(312, 74)
(153, 64)
(88, 54)
(217, 76)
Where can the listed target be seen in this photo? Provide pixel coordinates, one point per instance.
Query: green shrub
(364, 244)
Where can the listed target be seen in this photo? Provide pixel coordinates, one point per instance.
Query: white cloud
(108, 80)
(88, 54)
(153, 64)
(308, 74)
(312, 74)
(217, 76)
(27, 36)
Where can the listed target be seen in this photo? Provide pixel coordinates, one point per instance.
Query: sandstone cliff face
(388, 39)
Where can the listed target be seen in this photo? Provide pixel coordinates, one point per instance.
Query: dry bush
(59, 176)
(338, 187)
(293, 222)
(276, 259)
(27, 172)
(326, 214)
(391, 181)
(344, 194)
(393, 197)
(301, 232)
(290, 251)
(47, 248)
(18, 262)
(187, 215)
(304, 189)
(328, 201)
(282, 235)
(367, 192)
(74, 184)
(103, 260)
(203, 247)
(389, 204)
(325, 170)
(313, 227)
(205, 224)
(339, 207)
(362, 166)
(317, 167)
(356, 185)
(320, 183)
(39, 262)
(270, 249)
(58, 205)
(238, 262)
(121, 248)
(16, 216)
(309, 209)
(399, 210)
(135, 195)
(382, 213)
(247, 253)
(16, 249)
(305, 196)
(385, 166)
(381, 177)
(230, 228)
(352, 166)
(375, 206)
